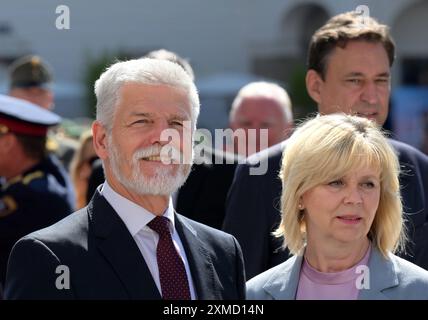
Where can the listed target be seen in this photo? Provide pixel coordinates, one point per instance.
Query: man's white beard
(163, 182)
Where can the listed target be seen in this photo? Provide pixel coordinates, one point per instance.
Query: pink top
(316, 285)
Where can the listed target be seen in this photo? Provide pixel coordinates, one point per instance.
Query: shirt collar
(133, 215)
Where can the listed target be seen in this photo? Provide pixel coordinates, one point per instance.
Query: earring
(300, 206)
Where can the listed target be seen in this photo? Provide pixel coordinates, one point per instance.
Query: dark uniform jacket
(36, 199)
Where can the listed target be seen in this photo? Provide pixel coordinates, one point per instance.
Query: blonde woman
(341, 218)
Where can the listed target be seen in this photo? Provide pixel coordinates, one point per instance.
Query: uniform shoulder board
(32, 176)
(14, 180)
(7, 206)
(51, 144)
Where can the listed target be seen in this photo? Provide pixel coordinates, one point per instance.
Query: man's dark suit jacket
(203, 196)
(105, 262)
(253, 208)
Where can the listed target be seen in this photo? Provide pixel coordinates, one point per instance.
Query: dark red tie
(172, 274)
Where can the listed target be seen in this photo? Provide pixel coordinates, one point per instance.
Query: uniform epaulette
(32, 176)
(51, 144)
(13, 181)
(7, 206)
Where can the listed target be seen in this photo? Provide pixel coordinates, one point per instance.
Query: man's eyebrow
(141, 114)
(354, 74)
(360, 74)
(181, 117)
(384, 75)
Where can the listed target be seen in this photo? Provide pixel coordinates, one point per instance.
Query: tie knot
(160, 225)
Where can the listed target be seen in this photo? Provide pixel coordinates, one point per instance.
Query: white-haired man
(129, 243)
(257, 106)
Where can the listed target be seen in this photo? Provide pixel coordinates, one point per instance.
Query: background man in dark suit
(129, 243)
(348, 71)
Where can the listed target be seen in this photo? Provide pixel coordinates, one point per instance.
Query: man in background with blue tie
(129, 243)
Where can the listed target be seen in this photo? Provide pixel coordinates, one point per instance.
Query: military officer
(31, 79)
(36, 191)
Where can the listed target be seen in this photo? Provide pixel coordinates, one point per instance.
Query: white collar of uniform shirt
(133, 215)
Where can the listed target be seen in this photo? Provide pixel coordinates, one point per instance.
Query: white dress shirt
(136, 219)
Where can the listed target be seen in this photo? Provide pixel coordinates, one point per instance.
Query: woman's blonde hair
(325, 148)
(83, 156)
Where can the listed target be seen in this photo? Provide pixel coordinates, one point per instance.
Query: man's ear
(313, 85)
(100, 140)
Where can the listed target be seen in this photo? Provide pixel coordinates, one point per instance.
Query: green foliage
(303, 105)
(94, 68)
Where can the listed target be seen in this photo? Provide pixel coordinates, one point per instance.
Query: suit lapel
(205, 280)
(120, 250)
(283, 283)
(382, 276)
